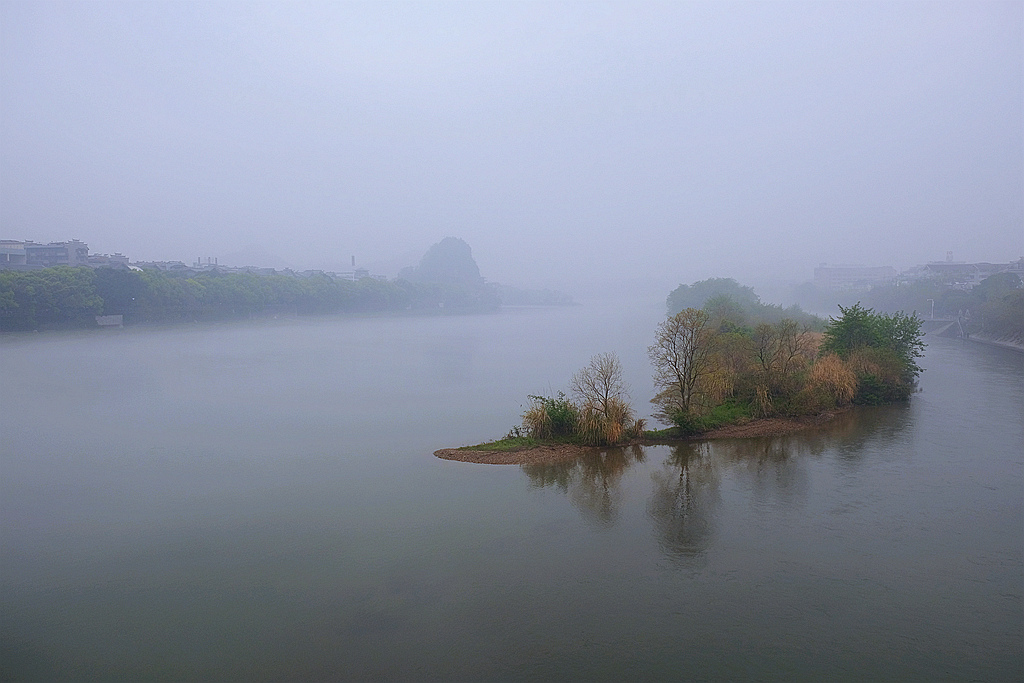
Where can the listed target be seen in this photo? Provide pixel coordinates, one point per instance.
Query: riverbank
(1013, 343)
(554, 452)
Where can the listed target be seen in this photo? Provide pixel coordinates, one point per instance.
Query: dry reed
(833, 377)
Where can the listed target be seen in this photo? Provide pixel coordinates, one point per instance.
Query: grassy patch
(730, 412)
(727, 413)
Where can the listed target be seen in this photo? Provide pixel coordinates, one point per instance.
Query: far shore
(1012, 343)
(548, 453)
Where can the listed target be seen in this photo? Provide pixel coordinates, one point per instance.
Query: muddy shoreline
(761, 427)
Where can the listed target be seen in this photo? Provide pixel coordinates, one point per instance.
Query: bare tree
(600, 383)
(683, 359)
(781, 351)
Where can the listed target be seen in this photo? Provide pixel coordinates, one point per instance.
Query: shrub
(594, 429)
(559, 418)
(689, 424)
(609, 427)
(881, 376)
(551, 417)
(728, 412)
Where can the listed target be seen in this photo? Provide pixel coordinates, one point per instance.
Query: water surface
(259, 501)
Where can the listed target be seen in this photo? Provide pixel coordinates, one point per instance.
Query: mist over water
(571, 144)
(259, 500)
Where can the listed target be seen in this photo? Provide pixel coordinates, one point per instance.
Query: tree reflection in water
(774, 467)
(682, 507)
(687, 488)
(591, 481)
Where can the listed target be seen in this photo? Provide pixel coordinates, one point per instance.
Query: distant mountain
(449, 262)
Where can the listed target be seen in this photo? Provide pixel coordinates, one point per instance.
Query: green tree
(697, 294)
(856, 328)
(882, 350)
(50, 297)
(901, 334)
(1004, 317)
(860, 328)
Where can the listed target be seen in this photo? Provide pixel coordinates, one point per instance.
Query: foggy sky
(563, 142)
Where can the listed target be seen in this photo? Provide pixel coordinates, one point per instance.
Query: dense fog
(571, 145)
(324, 246)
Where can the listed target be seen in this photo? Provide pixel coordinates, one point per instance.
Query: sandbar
(760, 427)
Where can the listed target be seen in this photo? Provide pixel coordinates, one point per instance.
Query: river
(258, 501)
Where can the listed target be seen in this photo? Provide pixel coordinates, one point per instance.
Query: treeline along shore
(446, 280)
(65, 297)
(730, 369)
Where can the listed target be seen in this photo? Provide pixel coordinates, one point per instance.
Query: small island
(719, 376)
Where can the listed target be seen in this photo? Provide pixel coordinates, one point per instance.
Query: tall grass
(832, 380)
(588, 424)
(549, 418)
(881, 376)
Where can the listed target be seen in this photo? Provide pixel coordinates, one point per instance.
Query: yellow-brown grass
(537, 422)
(831, 377)
(615, 425)
(763, 400)
(882, 363)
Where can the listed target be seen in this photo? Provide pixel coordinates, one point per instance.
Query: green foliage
(780, 368)
(1004, 316)
(996, 286)
(727, 314)
(901, 334)
(855, 329)
(119, 289)
(881, 376)
(549, 418)
(50, 297)
(999, 303)
(860, 328)
(698, 294)
(728, 412)
(988, 302)
(732, 306)
(607, 420)
(71, 297)
(880, 349)
(688, 424)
